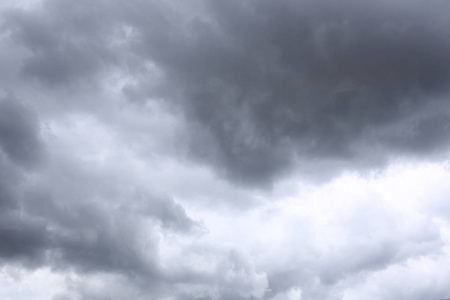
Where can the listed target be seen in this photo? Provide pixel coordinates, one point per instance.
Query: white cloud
(293, 294)
(18, 284)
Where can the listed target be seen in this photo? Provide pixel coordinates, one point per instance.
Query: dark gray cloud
(75, 230)
(265, 86)
(67, 43)
(19, 133)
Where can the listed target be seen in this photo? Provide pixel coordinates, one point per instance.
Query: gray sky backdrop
(235, 149)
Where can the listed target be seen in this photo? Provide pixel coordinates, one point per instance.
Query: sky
(224, 150)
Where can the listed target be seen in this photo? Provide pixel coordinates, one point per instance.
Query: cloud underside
(153, 145)
(264, 85)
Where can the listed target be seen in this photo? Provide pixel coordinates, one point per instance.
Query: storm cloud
(270, 85)
(201, 149)
(264, 85)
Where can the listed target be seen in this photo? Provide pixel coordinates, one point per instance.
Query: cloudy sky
(235, 149)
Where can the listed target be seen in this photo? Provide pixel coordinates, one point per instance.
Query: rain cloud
(238, 149)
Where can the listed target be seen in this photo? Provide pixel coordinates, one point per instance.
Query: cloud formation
(270, 85)
(224, 149)
(264, 86)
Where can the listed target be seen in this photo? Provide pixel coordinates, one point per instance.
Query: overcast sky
(224, 149)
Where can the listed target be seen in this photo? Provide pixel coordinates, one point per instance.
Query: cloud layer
(224, 149)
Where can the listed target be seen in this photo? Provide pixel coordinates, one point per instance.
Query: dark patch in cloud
(426, 134)
(68, 42)
(93, 236)
(22, 240)
(8, 179)
(270, 84)
(19, 133)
